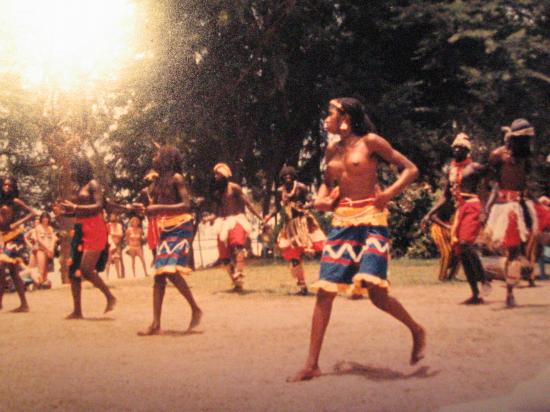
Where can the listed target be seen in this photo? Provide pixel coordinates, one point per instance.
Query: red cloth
(512, 237)
(94, 232)
(153, 234)
(237, 237)
(467, 223)
(290, 253)
(543, 216)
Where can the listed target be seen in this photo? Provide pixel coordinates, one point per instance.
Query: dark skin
(300, 199)
(472, 174)
(232, 201)
(8, 224)
(353, 163)
(169, 196)
(87, 202)
(511, 173)
(471, 177)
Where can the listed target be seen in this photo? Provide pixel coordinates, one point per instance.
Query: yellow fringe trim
(12, 234)
(369, 215)
(168, 222)
(356, 288)
(172, 270)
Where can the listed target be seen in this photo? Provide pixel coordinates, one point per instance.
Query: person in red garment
(300, 233)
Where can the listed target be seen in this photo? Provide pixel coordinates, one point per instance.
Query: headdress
(462, 139)
(223, 169)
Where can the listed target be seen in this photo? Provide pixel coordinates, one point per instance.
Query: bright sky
(66, 43)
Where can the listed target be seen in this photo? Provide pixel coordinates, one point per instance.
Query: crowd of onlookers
(43, 245)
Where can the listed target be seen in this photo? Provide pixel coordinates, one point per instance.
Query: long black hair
(82, 170)
(360, 121)
(7, 198)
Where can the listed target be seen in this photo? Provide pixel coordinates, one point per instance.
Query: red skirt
(94, 232)
(237, 237)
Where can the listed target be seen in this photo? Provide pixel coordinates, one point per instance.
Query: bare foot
(74, 315)
(21, 309)
(511, 301)
(474, 300)
(419, 346)
(150, 331)
(305, 375)
(196, 318)
(111, 303)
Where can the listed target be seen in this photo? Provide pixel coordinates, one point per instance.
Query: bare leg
(382, 300)
(20, 288)
(76, 291)
(134, 265)
(512, 275)
(122, 269)
(42, 261)
(158, 296)
(319, 323)
(196, 313)
(2, 283)
(297, 271)
(87, 267)
(143, 263)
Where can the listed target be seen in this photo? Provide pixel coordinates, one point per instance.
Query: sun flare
(65, 43)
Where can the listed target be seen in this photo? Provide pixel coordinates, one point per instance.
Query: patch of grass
(268, 278)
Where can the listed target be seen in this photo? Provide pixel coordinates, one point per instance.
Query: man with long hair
(513, 222)
(13, 242)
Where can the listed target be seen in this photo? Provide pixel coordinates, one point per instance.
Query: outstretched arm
(248, 203)
(30, 213)
(408, 170)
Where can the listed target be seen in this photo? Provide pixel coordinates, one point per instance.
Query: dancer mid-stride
(89, 248)
(169, 206)
(300, 232)
(355, 256)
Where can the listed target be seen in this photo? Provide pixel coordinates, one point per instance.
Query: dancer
(170, 206)
(229, 203)
(465, 176)
(134, 239)
(512, 223)
(300, 232)
(357, 249)
(89, 248)
(13, 242)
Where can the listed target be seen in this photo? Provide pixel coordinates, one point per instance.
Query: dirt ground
(248, 344)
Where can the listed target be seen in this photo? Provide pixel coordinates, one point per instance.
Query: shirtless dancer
(169, 206)
(513, 217)
(229, 205)
(300, 232)
(356, 252)
(13, 241)
(89, 244)
(465, 175)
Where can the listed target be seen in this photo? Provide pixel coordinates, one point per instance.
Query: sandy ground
(248, 344)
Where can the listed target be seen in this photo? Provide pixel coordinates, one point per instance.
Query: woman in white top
(44, 244)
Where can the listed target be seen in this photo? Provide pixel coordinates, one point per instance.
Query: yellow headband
(223, 169)
(462, 139)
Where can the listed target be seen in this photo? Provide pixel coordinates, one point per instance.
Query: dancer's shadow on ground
(172, 333)
(379, 374)
(523, 306)
(98, 319)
